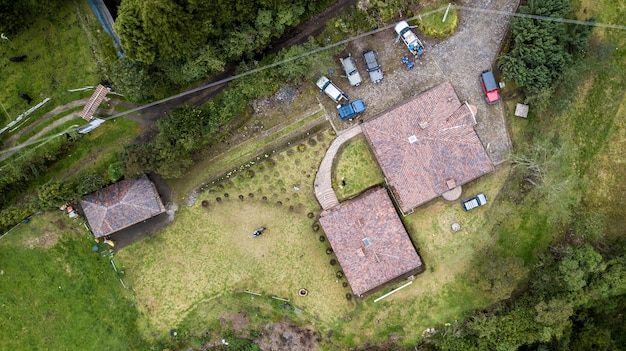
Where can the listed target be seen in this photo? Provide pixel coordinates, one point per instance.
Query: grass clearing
(433, 25)
(356, 166)
(54, 286)
(49, 71)
(95, 151)
(215, 163)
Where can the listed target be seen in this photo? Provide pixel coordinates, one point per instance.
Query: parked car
(409, 38)
(490, 88)
(350, 110)
(328, 87)
(371, 61)
(353, 75)
(473, 202)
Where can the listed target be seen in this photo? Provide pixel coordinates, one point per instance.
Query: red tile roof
(121, 205)
(369, 240)
(426, 144)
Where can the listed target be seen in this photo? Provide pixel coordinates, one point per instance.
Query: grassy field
(66, 49)
(275, 193)
(57, 294)
(355, 164)
(173, 292)
(433, 24)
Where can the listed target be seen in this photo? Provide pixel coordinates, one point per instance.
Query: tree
(576, 269)
(12, 14)
(541, 49)
(53, 194)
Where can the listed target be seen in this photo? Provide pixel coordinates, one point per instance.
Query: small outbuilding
(521, 110)
(121, 205)
(370, 241)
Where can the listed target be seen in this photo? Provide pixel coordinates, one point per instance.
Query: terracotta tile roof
(121, 205)
(427, 144)
(369, 240)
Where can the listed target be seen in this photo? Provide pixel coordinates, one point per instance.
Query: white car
(473, 202)
(328, 87)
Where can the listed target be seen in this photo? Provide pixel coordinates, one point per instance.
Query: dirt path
(60, 121)
(57, 110)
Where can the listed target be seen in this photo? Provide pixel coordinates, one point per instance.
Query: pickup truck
(371, 61)
(328, 87)
(473, 202)
(350, 110)
(353, 75)
(409, 38)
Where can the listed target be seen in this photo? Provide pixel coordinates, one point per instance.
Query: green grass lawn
(57, 294)
(433, 25)
(356, 166)
(66, 49)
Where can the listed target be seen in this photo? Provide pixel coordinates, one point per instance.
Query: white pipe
(393, 291)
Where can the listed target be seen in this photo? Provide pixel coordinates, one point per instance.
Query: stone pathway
(323, 179)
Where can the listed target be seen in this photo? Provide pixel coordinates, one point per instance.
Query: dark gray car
(371, 61)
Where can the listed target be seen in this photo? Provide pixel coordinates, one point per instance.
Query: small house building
(121, 205)
(427, 146)
(370, 241)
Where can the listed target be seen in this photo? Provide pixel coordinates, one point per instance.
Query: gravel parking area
(459, 59)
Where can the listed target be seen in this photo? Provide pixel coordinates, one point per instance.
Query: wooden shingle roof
(121, 205)
(369, 240)
(426, 144)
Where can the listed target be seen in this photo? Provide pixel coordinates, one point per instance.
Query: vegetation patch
(48, 70)
(51, 279)
(355, 169)
(433, 24)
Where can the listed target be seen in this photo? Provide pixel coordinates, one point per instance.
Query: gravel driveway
(459, 59)
(463, 56)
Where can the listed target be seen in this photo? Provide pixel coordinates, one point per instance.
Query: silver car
(353, 75)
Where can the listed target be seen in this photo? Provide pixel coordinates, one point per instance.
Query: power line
(330, 46)
(542, 18)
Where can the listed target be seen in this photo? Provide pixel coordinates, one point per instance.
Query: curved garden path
(323, 179)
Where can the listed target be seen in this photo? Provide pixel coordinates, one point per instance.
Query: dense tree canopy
(541, 49)
(183, 41)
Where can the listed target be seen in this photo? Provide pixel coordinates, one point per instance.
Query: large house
(370, 241)
(121, 205)
(427, 146)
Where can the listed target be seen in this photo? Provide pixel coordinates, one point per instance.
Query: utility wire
(542, 18)
(330, 46)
